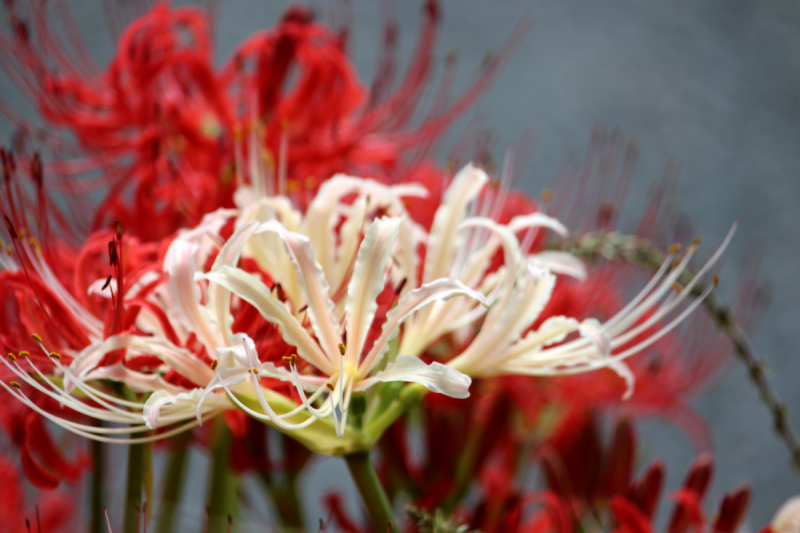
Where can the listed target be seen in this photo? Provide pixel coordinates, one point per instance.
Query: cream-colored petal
(436, 377)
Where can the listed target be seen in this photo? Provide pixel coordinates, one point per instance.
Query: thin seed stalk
(641, 252)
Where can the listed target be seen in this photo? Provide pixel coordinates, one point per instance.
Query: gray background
(710, 84)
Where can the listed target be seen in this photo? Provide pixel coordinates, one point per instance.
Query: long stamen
(319, 413)
(93, 432)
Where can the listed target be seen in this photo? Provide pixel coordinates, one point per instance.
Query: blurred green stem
(133, 496)
(371, 490)
(96, 516)
(222, 488)
(173, 481)
(286, 498)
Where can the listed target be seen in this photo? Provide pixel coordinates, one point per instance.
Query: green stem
(286, 499)
(375, 499)
(293, 508)
(147, 482)
(410, 396)
(98, 493)
(133, 496)
(222, 496)
(173, 482)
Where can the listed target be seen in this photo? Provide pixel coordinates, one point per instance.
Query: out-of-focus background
(714, 86)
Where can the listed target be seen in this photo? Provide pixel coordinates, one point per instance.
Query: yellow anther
(697, 240)
(23, 353)
(342, 348)
(14, 384)
(546, 195)
(36, 337)
(12, 356)
(255, 370)
(677, 286)
(37, 246)
(291, 359)
(237, 132)
(674, 249)
(214, 364)
(677, 262)
(54, 355)
(329, 385)
(22, 232)
(716, 280)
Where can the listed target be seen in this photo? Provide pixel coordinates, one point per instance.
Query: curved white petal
(487, 352)
(185, 401)
(441, 289)
(253, 291)
(179, 359)
(436, 377)
(368, 282)
(537, 220)
(594, 331)
(314, 286)
(137, 381)
(560, 263)
(179, 263)
(444, 242)
(218, 300)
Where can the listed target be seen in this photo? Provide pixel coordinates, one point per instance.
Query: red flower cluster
(162, 131)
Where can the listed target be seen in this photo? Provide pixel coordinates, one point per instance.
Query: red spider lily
(584, 479)
(42, 460)
(154, 117)
(52, 511)
(588, 485)
(164, 128)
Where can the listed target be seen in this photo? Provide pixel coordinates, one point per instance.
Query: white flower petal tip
(787, 518)
(561, 263)
(592, 330)
(162, 398)
(538, 220)
(535, 272)
(436, 377)
(624, 371)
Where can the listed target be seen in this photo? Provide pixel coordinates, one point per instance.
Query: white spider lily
(335, 249)
(462, 246)
(498, 349)
(107, 407)
(344, 370)
(71, 386)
